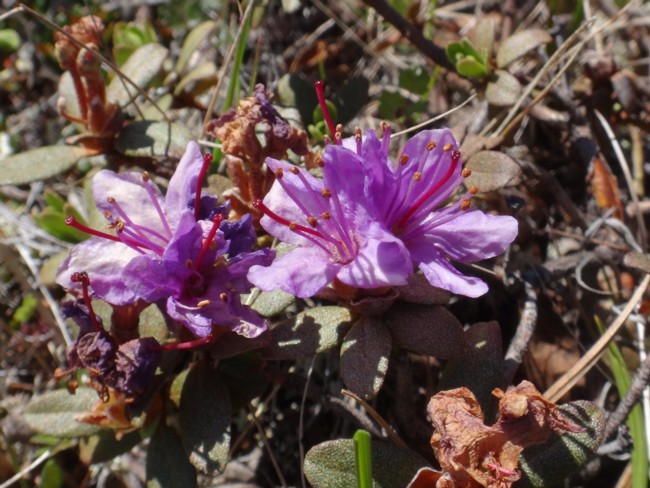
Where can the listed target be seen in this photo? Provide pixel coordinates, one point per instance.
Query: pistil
(207, 159)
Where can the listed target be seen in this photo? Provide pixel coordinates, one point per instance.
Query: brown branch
(411, 32)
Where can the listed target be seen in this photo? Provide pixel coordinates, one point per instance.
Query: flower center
(327, 228)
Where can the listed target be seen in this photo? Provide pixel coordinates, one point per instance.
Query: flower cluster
(177, 250)
(370, 220)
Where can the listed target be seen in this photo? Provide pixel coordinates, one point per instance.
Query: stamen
(325, 192)
(177, 346)
(465, 204)
(207, 159)
(82, 277)
(139, 230)
(358, 139)
(473, 189)
(216, 221)
(320, 93)
(432, 190)
(447, 147)
(417, 176)
(431, 146)
(72, 222)
(156, 204)
(404, 158)
(385, 136)
(223, 296)
(294, 170)
(325, 216)
(258, 204)
(466, 173)
(279, 173)
(313, 221)
(203, 303)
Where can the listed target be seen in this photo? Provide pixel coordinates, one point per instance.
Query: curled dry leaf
(476, 455)
(605, 186)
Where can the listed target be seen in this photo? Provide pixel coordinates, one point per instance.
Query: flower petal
(382, 260)
(104, 261)
(182, 185)
(439, 272)
(302, 272)
(129, 192)
(471, 236)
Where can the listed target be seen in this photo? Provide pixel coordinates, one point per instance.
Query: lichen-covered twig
(525, 329)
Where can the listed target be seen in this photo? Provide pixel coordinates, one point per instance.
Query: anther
(473, 189)
(327, 140)
(294, 170)
(313, 221)
(110, 200)
(417, 176)
(339, 128)
(465, 204)
(404, 158)
(203, 303)
(466, 173)
(432, 145)
(145, 176)
(279, 173)
(357, 132)
(326, 192)
(320, 162)
(292, 226)
(325, 216)
(223, 297)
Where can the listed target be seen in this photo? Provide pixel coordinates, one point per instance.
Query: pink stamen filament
(292, 225)
(72, 222)
(176, 346)
(432, 190)
(440, 217)
(138, 230)
(156, 204)
(320, 93)
(216, 221)
(85, 283)
(207, 159)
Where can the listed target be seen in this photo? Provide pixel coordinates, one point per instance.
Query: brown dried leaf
(605, 186)
(475, 455)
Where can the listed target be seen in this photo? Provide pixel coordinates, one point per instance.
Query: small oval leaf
(492, 170)
(167, 465)
(204, 417)
(141, 67)
(503, 90)
(39, 164)
(308, 333)
(55, 413)
(519, 44)
(365, 353)
(148, 139)
(331, 465)
(192, 41)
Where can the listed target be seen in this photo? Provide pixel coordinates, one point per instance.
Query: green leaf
(149, 139)
(204, 417)
(350, 99)
(519, 44)
(268, 304)
(142, 66)
(54, 413)
(492, 170)
(479, 368)
(363, 458)
(51, 475)
(365, 354)
(503, 90)
(471, 68)
(53, 222)
(25, 310)
(635, 421)
(192, 41)
(293, 91)
(167, 464)
(331, 465)
(104, 446)
(308, 333)
(39, 164)
(415, 79)
(9, 40)
(547, 464)
(425, 329)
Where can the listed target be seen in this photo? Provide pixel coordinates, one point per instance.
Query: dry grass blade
(584, 365)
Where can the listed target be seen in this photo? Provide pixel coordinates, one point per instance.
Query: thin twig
(437, 117)
(267, 446)
(625, 167)
(632, 397)
(589, 360)
(519, 344)
(412, 33)
(378, 418)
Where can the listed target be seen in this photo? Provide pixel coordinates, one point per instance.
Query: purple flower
(370, 221)
(170, 249)
(337, 234)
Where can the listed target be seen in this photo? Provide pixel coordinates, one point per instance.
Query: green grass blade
(233, 87)
(635, 419)
(363, 458)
